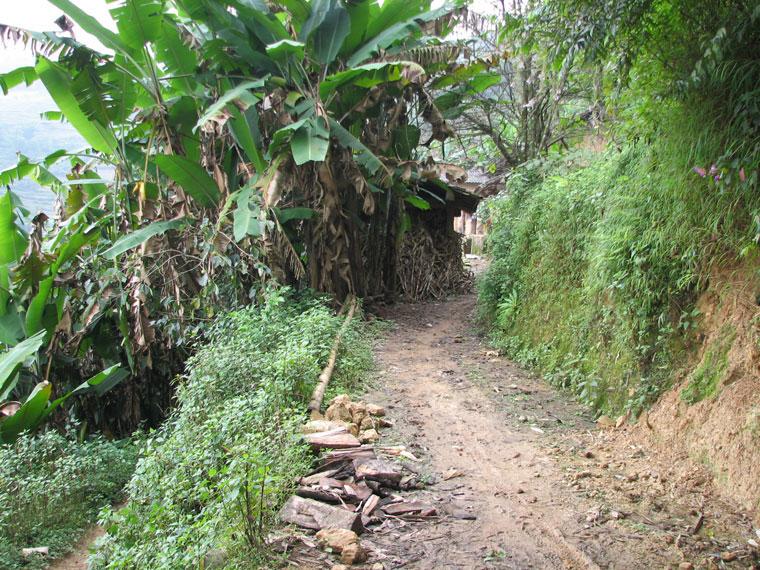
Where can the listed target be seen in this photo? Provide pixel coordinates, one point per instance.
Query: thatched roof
(453, 196)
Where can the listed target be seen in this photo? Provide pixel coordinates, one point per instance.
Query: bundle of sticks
(431, 266)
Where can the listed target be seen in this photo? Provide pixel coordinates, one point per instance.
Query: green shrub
(51, 489)
(598, 259)
(213, 477)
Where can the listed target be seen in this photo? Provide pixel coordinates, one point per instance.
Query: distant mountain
(23, 130)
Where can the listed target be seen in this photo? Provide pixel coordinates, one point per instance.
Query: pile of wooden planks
(354, 485)
(351, 488)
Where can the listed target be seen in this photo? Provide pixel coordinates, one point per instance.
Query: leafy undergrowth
(51, 489)
(598, 260)
(210, 480)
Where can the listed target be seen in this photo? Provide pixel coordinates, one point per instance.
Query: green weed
(213, 476)
(705, 379)
(51, 489)
(597, 260)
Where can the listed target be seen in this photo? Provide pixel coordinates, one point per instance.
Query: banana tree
(235, 132)
(337, 125)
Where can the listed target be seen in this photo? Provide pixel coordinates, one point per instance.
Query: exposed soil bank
(721, 430)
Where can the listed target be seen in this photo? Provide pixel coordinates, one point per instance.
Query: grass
(705, 378)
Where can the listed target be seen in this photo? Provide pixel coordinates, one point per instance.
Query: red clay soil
(721, 432)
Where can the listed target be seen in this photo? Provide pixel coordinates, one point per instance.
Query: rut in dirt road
(492, 438)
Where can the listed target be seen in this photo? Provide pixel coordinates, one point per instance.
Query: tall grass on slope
(598, 259)
(212, 478)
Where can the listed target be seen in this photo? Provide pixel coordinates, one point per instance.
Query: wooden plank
(363, 452)
(377, 470)
(357, 491)
(370, 505)
(315, 478)
(333, 439)
(319, 494)
(407, 508)
(330, 483)
(308, 513)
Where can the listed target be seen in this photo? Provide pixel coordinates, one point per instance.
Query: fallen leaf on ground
(451, 473)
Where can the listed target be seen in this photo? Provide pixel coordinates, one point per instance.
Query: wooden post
(324, 377)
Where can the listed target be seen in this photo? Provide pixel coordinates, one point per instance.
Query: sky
(39, 16)
(23, 129)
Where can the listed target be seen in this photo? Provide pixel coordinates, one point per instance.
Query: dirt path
(77, 558)
(521, 476)
(535, 485)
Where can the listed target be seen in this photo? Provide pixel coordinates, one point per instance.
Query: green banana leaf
(28, 416)
(13, 359)
(191, 177)
(310, 141)
(364, 156)
(58, 84)
(13, 239)
(129, 241)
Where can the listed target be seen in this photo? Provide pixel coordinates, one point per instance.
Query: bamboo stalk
(324, 378)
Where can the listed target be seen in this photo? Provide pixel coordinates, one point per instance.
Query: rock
(339, 567)
(215, 559)
(369, 436)
(686, 566)
(341, 399)
(582, 475)
(375, 410)
(353, 554)
(358, 411)
(339, 409)
(367, 423)
(336, 538)
(605, 422)
(728, 556)
(463, 515)
(378, 566)
(42, 550)
(316, 426)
